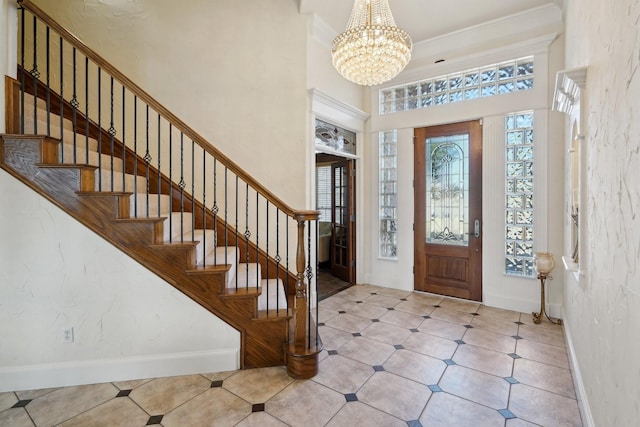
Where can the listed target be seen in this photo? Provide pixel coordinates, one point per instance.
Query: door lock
(476, 228)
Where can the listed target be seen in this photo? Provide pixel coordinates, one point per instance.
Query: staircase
(163, 195)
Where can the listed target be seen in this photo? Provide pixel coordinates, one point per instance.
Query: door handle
(476, 228)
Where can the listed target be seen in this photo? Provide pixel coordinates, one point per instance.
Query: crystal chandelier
(372, 50)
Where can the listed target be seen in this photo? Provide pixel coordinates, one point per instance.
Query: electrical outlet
(67, 335)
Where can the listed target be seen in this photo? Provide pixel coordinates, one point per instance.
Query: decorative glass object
(495, 79)
(334, 138)
(519, 193)
(447, 189)
(543, 263)
(372, 50)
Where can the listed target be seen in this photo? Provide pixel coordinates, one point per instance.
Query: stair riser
(104, 161)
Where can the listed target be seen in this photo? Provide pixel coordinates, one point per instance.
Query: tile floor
(391, 358)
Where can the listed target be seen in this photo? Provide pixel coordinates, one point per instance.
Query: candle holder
(543, 264)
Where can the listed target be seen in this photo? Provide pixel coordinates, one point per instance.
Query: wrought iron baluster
(309, 276)
(315, 301)
(124, 141)
(215, 208)
(61, 106)
(226, 211)
(247, 232)
(86, 105)
(74, 110)
(193, 202)
(182, 184)
(48, 66)
(35, 74)
(135, 155)
(204, 194)
(147, 160)
(112, 133)
(171, 182)
(22, 70)
(277, 258)
(236, 226)
(267, 254)
(99, 129)
(159, 159)
(258, 231)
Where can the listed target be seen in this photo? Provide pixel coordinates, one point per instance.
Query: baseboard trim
(581, 393)
(521, 305)
(64, 374)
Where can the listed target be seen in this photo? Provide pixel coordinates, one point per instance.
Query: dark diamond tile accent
(414, 423)
(426, 316)
(468, 326)
(351, 397)
(435, 388)
(507, 414)
(332, 352)
(342, 312)
(123, 393)
(21, 403)
(154, 419)
(378, 368)
(460, 342)
(515, 356)
(321, 324)
(390, 308)
(257, 407)
(403, 299)
(517, 337)
(518, 323)
(449, 362)
(374, 293)
(375, 320)
(217, 383)
(356, 334)
(414, 330)
(359, 302)
(511, 380)
(437, 306)
(475, 314)
(398, 346)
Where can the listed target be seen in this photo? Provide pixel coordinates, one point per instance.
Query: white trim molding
(64, 374)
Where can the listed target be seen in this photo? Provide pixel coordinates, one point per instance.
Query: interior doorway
(335, 199)
(448, 210)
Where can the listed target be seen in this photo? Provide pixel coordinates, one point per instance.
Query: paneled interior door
(448, 210)
(343, 220)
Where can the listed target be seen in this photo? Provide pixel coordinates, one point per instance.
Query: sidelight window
(388, 193)
(519, 193)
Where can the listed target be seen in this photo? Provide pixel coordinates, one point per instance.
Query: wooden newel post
(304, 345)
(302, 296)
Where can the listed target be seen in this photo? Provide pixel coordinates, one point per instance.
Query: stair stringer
(33, 160)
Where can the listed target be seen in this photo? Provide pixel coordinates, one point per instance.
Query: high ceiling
(425, 19)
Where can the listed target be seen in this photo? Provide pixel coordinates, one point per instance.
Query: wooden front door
(343, 220)
(448, 210)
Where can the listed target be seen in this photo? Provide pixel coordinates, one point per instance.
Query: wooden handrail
(164, 112)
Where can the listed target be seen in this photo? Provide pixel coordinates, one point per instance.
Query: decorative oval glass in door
(447, 187)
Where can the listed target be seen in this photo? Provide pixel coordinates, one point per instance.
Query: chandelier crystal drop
(372, 50)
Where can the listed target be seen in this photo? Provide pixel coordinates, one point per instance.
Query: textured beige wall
(603, 308)
(234, 71)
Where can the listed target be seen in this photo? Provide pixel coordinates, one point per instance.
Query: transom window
(495, 79)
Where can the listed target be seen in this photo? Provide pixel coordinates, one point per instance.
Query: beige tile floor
(391, 358)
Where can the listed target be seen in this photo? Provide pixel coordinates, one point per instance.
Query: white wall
(127, 322)
(601, 308)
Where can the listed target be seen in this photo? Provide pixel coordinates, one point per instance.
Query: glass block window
(495, 79)
(323, 192)
(519, 194)
(388, 144)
